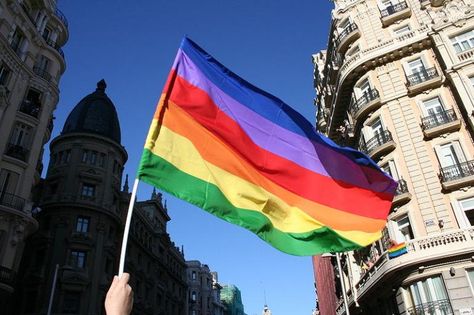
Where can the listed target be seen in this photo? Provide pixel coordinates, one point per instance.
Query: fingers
(124, 278)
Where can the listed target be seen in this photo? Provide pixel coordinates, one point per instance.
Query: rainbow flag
(245, 156)
(397, 250)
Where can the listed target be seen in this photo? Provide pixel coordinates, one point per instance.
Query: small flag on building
(397, 250)
(243, 155)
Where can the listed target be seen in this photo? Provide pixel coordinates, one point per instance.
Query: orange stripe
(222, 156)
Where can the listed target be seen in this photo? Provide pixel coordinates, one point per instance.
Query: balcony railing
(11, 201)
(441, 307)
(17, 151)
(61, 16)
(7, 276)
(402, 187)
(394, 8)
(438, 119)
(55, 46)
(422, 76)
(466, 55)
(457, 171)
(362, 101)
(349, 29)
(377, 141)
(42, 73)
(30, 108)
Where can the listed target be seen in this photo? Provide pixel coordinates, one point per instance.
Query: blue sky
(132, 44)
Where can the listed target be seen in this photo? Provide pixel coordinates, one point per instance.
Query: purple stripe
(281, 141)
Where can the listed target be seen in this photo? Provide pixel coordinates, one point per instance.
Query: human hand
(119, 299)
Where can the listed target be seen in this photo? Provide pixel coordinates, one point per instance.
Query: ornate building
(81, 220)
(396, 82)
(31, 65)
(203, 290)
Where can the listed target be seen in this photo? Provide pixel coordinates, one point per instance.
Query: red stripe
(324, 190)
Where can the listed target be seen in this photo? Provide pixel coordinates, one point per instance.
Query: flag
(397, 250)
(245, 156)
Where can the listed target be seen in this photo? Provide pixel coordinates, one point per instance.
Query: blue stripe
(272, 108)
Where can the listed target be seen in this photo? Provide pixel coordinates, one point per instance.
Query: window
(391, 169)
(78, 259)
(463, 42)
(402, 30)
(404, 232)
(426, 291)
(46, 33)
(20, 135)
(82, 224)
(4, 74)
(467, 209)
(193, 275)
(416, 66)
(17, 41)
(193, 296)
(432, 107)
(8, 181)
(472, 81)
(450, 154)
(470, 275)
(88, 190)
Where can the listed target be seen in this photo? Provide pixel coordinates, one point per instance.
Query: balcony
(17, 151)
(466, 55)
(378, 145)
(42, 73)
(419, 251)
(395, 12)
(367, 103)
(433, 307)
(12, 201)
(7, 277)
(30, 108)
(61, 17)
(402, 195)
(346, 37)
(439, 123)
(423, 80)
(56, 47)
(458, 175)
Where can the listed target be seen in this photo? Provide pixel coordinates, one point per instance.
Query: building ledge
(433, 82)
(442, 129)
(394, 13)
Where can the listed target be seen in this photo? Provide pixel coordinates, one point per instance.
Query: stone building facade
(203, 290)
(397, 82)
(31, 65)
(81, 218)
(232, 299)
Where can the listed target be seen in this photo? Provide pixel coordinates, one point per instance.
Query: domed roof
(95, 114)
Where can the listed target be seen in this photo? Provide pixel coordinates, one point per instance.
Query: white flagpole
(127, 228)
(343, 284)
(53, 289)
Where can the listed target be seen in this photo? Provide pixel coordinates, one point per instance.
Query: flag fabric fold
(245, 156)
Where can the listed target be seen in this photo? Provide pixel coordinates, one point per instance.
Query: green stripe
(160, 173)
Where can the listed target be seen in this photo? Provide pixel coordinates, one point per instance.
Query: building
(266, 310)
(232, 299)
(325, 284)
(31, 65)
(203, 290)
(83, 210)
(396, 81)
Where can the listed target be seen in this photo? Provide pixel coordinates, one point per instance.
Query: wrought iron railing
(61, 16)
(438, 119)
(422, 76)
(17, 151)
(441, 307)
(366, 98)
(394, 8)
(55, 46)
(11, 201)
(376, 141)
(349, 29)
(42, 73)
(30, 108)
(402, 187)
(457, 171)
(7, 276)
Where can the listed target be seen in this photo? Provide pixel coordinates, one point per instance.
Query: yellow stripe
(180, 152)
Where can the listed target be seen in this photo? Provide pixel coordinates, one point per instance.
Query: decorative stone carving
(454, 12)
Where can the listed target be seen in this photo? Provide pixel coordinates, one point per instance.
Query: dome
(95, 114)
